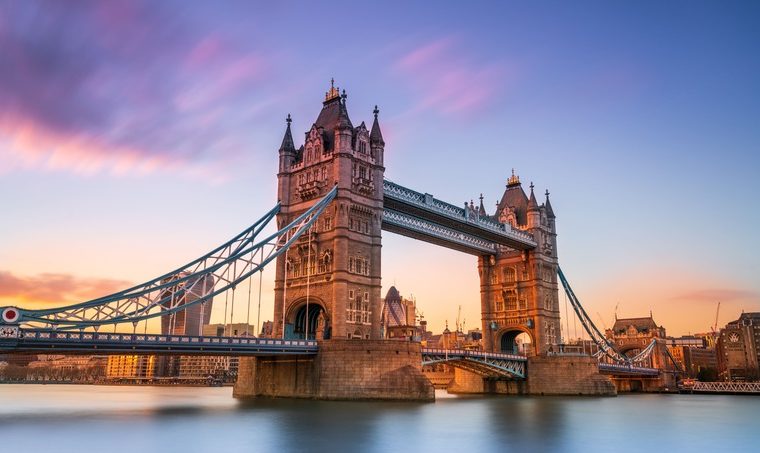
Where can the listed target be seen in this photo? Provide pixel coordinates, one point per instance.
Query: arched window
(510, 300)
(510, 275)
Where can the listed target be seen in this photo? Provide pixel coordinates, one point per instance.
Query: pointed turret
(344, 122)
(375, 136)
(532, 203)
(287, 150)
(287, 141)
(481, 209)
(548, 206)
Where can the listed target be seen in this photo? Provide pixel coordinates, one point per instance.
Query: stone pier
(547, 375)
(567, 375)
(342, 370)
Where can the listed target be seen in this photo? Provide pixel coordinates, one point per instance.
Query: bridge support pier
(567, 375)
(342, 370)
(635, 384)
(465, 382)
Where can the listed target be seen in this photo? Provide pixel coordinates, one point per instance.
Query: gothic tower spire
(375, 136)
(287, 141)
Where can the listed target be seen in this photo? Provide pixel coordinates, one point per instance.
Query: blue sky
(135, 136)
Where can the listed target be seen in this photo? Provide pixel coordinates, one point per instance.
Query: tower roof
(375, 136)
(514, 197)
(287, 141)
(334, 114)
(532, 203)
(548, 206)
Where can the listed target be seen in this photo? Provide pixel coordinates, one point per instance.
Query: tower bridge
(333, 204)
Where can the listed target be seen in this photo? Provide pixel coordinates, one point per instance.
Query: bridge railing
(430, 203)
(128, 338)
(422, 226)
(473, 354)
(627, 369)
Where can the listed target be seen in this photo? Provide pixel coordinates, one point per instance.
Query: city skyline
(124, 166)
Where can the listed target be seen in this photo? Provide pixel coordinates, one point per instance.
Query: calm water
(144, 419)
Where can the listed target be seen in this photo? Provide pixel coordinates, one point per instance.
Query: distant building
(228, 330)
(399, 317)
(632, 335)
(131, 367)
(692, 354)
(199, 368)
(738, 353)
(267, 330)
(190, 320)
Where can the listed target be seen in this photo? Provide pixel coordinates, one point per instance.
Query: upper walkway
(423, 217)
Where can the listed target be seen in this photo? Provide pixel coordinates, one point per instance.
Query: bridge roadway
(14, 339)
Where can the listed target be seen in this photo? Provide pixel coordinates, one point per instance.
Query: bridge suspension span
(605, 348)
(197, 282)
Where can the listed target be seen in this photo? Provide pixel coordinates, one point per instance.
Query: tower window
(510, 275)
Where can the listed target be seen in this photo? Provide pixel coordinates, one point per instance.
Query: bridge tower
(337, 266)
(518, 289)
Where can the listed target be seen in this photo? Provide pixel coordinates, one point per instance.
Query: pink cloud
(443, 78)
(714, 295)
(29, 145)
(49, 289)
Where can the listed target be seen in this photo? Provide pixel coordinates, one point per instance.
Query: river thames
(72, 418)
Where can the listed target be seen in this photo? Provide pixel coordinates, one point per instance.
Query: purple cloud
(447, 80)
(125, 87)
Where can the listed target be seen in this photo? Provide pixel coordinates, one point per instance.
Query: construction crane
(715, 324)
(459, 316)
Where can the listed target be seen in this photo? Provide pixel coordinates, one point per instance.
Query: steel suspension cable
(308, 281)
(261, 280)
(232, 304)
(248, 311)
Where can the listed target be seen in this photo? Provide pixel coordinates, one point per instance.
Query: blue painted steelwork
(483, 363)
(212, 274)
(620, 369)
(52, 341)
(424, 217)
(605, 346)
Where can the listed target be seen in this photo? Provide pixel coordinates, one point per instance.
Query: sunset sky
(136, 136)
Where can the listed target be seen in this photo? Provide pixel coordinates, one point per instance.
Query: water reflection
(146, 419)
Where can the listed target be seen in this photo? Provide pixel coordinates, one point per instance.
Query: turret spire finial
(333, 92)
(376, 111)
(513, 180)
(288, 119)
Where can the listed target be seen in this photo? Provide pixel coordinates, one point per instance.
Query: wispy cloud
(120, 87)
(47, 289)
(443, 78)
(718, 295)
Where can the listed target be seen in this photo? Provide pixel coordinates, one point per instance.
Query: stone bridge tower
(518, 289)
(337, 266)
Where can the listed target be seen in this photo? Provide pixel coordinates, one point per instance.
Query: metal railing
(428, 202)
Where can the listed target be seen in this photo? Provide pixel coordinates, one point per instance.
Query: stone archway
(510, 341)
(311, 325)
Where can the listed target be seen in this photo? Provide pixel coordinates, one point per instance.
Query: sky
(136, 136)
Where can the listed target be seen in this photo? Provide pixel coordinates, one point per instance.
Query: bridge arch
(507, 339)
(316, 321)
